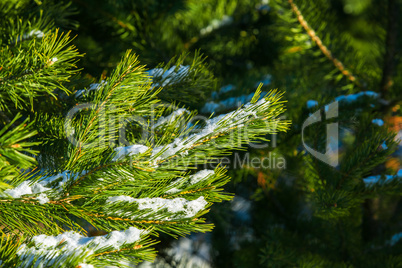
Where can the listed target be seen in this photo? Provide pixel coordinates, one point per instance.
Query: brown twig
(338, 64)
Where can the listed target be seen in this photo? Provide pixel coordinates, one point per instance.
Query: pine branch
(15, 150)
(145, 186)
(37, 69)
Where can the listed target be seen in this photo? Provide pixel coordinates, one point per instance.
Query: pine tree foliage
(339, 200)
(187, 84)
(13, 149)
(225, 31)
(306, 215)
(130, 166)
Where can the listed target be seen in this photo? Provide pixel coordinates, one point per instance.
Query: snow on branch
(42, 185)
(193, 179)
(215, 125)
(163, 78)
(129, 150)
(376, 180)
(180, 206)
(57, 250)
(35, 33)
(355, 97)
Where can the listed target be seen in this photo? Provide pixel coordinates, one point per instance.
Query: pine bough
(133, 190)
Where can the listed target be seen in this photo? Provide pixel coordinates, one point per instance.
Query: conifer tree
(344, 53)
(111, 155)
(338, 62)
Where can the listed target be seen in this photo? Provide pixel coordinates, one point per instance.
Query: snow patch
(372, 180)
(191, 252)
(211, 107)
(216, 24)
(311, 104)
(43, 185)
(129, 150)
(35, 33)
(42, 198)
(384, 146)
(378, 122)
(169, 76)
(120, 198)
(176, 205)
(173, 190)
(68, 244)
(218, 124)
(395, 239)
(354, 97)
(201, 175)
(241, 207)
(177, 183)
(226, 89)
(263, 6)
(65, 176)
(85, 265)
(20, 190)
(227, 104)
